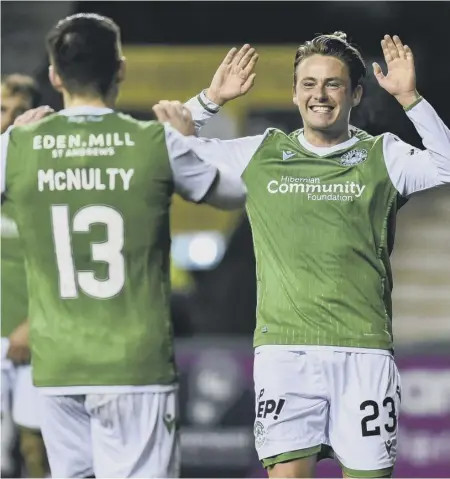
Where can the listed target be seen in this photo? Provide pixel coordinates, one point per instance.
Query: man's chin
(322, 126)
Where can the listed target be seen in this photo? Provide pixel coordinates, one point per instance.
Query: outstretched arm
(198, 181)
(412, 170)
(205, 170)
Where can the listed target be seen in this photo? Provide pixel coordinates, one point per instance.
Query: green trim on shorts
(386, 472)
(290, 456)
(326, 452)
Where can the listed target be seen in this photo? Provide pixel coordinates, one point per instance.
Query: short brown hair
(334, 45)
(85, 51)
(18, 84)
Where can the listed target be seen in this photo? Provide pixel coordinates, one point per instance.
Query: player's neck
(96, 102)
(325, 138)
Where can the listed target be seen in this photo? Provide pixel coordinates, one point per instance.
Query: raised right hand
(235, 76)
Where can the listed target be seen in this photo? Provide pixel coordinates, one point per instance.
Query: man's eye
(333, 85)
(308, 84)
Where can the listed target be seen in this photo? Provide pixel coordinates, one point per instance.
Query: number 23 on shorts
(364, 423)
(369, 430)
(379, 424)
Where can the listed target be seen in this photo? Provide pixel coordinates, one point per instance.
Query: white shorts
(112, 435)
(19, 395)
(311, 398)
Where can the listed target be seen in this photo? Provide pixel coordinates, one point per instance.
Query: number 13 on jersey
(109, 251)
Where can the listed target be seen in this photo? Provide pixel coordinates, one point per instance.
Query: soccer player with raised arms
(322, 203)
(91, 191)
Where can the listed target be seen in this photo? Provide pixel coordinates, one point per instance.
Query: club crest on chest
(353, 157)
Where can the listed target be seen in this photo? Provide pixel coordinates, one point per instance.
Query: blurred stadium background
(173, 48)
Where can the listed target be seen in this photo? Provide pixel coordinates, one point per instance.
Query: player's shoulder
(361, 134)
(293, 135)
(389, 137)
(385, 138)
(17, 130)
(138, 124)
(270, 138)
(394, 147)
(273, 134)
(147, 130)
(369, 142)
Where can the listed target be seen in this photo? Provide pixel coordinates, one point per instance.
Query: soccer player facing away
(19, 397)
(322, 203)
(91, 190)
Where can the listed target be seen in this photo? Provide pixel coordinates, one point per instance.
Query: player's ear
(55, 79)
(294, 93)
(357, 95)
(121, 73)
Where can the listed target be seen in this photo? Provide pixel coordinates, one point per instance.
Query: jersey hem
(344, 349)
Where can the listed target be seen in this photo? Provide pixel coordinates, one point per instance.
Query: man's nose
(320, 94)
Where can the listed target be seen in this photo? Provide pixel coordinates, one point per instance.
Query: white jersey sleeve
(202, 109)
(4, 146)
(231, 156)
(197, 180)
(412, 170)
(227, 155)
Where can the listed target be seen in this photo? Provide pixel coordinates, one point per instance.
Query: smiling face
(324, 96)
(13, 105)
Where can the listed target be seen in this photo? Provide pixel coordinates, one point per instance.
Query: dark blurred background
(173, 49)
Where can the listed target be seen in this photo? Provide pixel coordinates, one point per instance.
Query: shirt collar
(326, 150)
(85, 110)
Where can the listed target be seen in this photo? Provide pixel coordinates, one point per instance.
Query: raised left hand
(33, 115)
(400, 80)
(19, 344)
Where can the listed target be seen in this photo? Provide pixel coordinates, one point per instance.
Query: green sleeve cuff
(409, 107)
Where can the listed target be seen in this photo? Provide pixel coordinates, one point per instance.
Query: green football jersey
(14, 296)
(91, 195)
(323, 228)
(323, 224)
